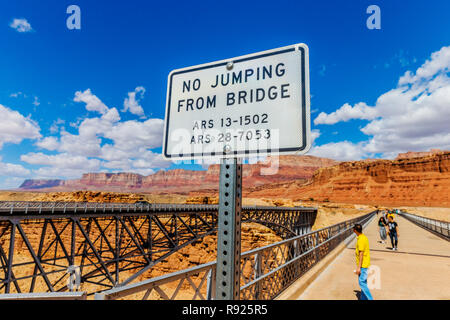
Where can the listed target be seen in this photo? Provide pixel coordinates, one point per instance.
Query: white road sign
(256, 104)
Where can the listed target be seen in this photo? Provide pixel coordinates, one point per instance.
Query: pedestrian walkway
(420, 269)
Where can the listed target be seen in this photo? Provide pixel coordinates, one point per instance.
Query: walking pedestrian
(390, 214)
(362, 253)
(382, 223)
(393, 233)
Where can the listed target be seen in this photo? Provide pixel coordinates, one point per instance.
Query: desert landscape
(414, 179)
(416, 182)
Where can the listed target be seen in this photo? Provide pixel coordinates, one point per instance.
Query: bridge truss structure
(42, 244)
(265, 272)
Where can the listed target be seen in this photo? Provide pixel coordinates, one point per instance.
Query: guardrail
(439, 227)
(45, 296)
(37, 207)
(265, 272)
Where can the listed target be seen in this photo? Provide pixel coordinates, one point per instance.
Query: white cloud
(134, 161)
(132, 102)
(116, 145)
(60, 165)
(79, 145)
(206, 162)
(103, 143)
(144, 172)
(343, 151)
(58, 173)
(150, 160)
(132, 135)
(131, 141)
(14, 127)
(346, 113)
(21, 25)
(55, 125)
(438, 64)
(90, 131)
(36, 101)
(92, 102)
(10, 183)
(315, 133)
(12, 170)
(59, 160)
(414, 116)
(15, 94)
(48, 143)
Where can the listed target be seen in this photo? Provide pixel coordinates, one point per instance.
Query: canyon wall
(418, 181)
(286, 168)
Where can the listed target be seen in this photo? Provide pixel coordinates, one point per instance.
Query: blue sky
(63, 92)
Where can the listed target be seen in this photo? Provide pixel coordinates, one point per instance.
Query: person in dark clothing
(393, 232)
(382, 226)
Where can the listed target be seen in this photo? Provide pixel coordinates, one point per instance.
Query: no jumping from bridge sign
(256, 104)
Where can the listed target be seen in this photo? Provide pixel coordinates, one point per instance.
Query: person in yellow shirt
(390, 214)
(362, 255)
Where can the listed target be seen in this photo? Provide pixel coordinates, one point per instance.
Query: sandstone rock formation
(89, 196)
(202, 200)
(418, 181)
(287, 168)
(410, 154)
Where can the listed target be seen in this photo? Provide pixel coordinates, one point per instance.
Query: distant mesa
(299, 168)
(412, 178)
(31, 184)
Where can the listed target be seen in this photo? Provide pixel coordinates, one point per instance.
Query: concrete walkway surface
(420, 269)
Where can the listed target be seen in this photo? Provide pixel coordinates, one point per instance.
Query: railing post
(99, 296)
(296, 249)
(211, 284)
(258, 273)
(316, 254)
(12, 239)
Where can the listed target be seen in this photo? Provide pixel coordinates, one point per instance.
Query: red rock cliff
(419, 181)
(287, 168)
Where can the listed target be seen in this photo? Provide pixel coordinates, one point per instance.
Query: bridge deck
(420, 269)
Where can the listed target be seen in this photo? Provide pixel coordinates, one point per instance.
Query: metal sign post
(229, 230)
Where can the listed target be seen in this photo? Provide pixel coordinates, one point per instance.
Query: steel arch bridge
(41, 243)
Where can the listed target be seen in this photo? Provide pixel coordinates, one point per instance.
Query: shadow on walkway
(389, 250)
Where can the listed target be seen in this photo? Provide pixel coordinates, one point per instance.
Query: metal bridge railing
(45, 296)
(265, 272)
(37, 207)
(438, 226)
